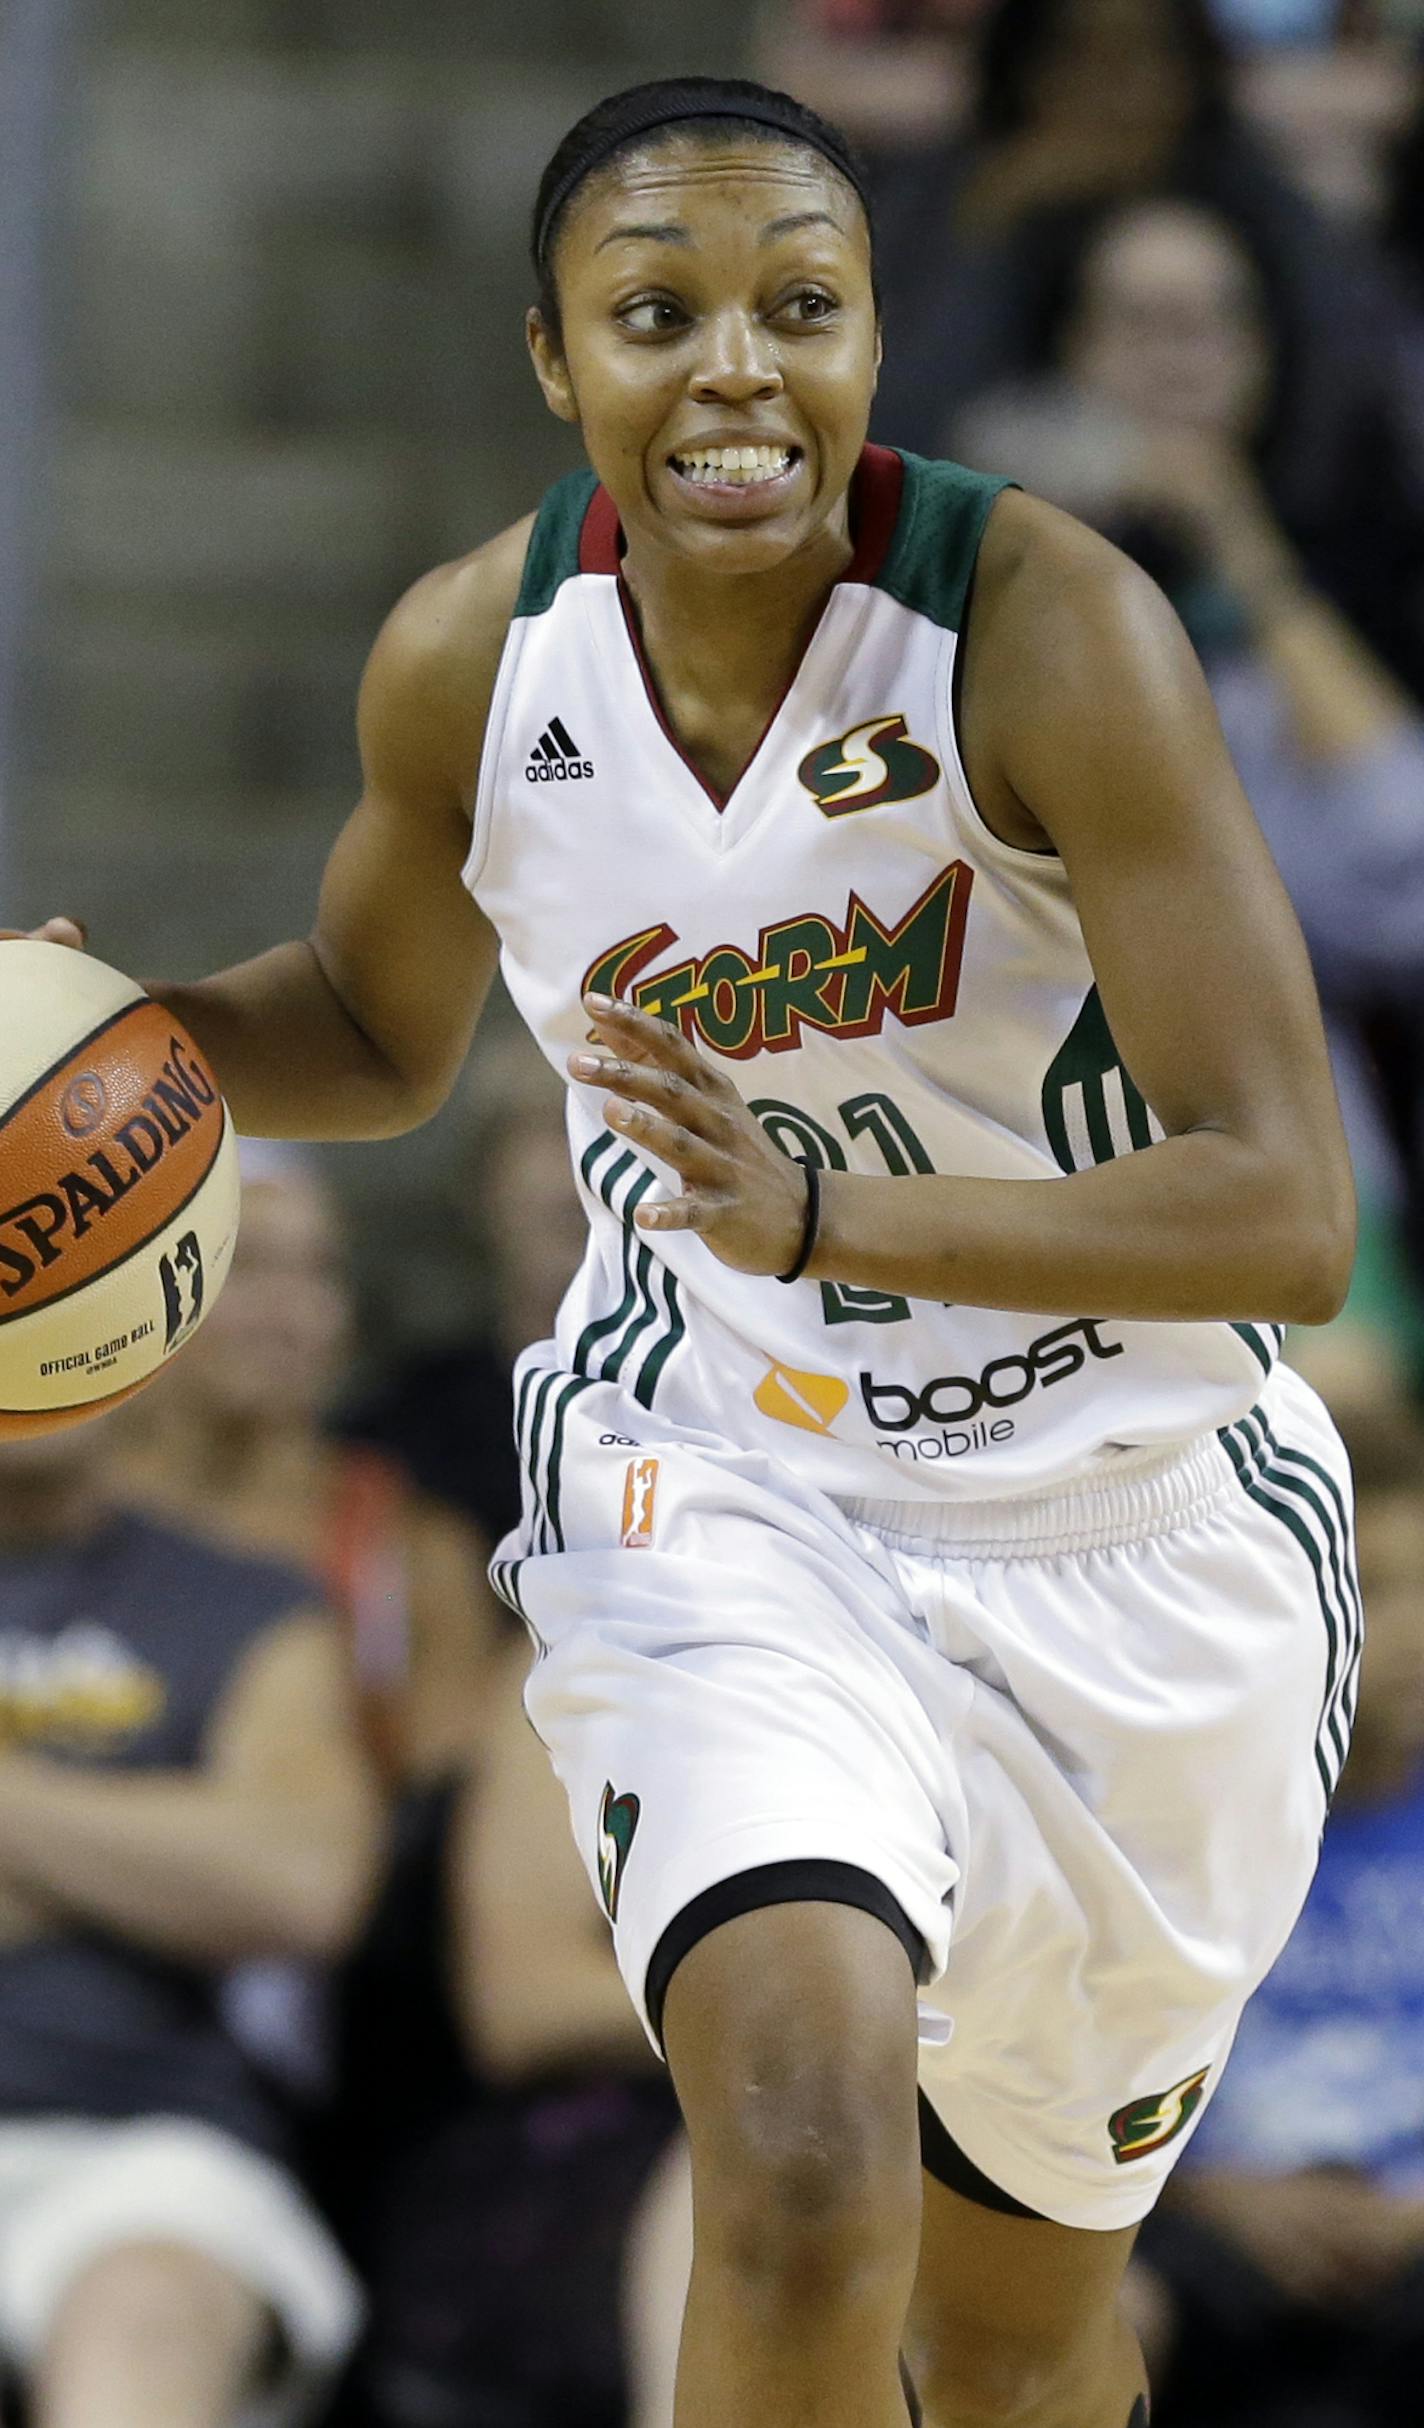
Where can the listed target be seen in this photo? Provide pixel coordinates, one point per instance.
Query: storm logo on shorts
(875, 761)
(617, 1820)
(1145, 2124)
(804, 972)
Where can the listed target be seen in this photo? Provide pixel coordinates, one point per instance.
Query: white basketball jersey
(889, 986)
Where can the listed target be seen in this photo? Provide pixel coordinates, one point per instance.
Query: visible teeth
(739, 465)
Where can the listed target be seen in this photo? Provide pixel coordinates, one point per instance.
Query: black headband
(644, 115)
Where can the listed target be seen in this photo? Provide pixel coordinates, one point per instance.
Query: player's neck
(728, 634)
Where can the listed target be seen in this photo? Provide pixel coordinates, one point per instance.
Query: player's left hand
(739, 1192)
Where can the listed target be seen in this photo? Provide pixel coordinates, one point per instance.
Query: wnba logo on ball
(85, 1105)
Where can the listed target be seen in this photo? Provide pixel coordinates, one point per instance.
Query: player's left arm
(1098, 718)
(1090, 712)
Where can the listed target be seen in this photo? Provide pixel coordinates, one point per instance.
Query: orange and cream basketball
(118, 1187)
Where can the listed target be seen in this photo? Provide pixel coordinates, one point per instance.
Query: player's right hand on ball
(72, 932)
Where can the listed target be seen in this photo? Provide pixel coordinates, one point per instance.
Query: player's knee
(811, 2193)
(979, 2378)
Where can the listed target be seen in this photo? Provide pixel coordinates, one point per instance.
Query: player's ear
(550, 368)
(879, 348)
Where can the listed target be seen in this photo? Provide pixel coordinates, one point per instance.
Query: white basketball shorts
(1076, 1749)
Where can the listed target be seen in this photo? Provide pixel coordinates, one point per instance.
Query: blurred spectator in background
(1328, 82)
(494, 2158)
(1166, 372)
(1293, 21)
(236, 1437)
(1404, 221)
(1079, 103)
(1404, 236)
(180, 1788)
(447, 1413)
(1291, 2246)
(1296, 22)
(501, 2121)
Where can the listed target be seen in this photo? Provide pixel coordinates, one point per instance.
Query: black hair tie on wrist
(812, 1222)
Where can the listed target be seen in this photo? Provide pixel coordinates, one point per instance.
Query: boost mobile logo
(957, 1399)
(810, 1401)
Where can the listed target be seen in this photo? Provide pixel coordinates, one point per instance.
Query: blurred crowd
(320, 2098)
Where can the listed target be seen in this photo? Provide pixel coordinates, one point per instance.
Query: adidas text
(555, 758)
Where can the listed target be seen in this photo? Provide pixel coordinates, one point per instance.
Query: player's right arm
(359, 1029)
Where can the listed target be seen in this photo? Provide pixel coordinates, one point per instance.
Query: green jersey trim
(553, 555)
(929, 566)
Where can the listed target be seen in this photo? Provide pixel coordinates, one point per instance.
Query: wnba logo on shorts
(640, 1493)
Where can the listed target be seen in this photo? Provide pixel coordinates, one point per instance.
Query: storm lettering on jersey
(804, 973)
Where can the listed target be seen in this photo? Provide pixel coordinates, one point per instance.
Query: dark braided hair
(702, 106)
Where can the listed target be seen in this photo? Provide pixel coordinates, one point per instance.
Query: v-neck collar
(877, 485)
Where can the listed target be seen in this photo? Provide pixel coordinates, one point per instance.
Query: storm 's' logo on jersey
(1145, 2124)
(875, 761)
(805, 973)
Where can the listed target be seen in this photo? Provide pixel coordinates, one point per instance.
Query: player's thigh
(1004, 2305)
(791, 2035)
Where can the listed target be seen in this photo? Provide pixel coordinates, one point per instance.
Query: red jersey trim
(600, 540)
(877, 486)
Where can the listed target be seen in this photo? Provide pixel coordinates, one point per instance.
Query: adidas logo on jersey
(555, 758)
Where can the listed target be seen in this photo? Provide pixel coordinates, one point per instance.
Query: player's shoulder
(1067, 639)
(430, 677)
(1044, 578)
(450, 626)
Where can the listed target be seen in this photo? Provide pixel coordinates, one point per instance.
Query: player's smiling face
(718, 346)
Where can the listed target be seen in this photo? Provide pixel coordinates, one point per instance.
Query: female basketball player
(938, 1584)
